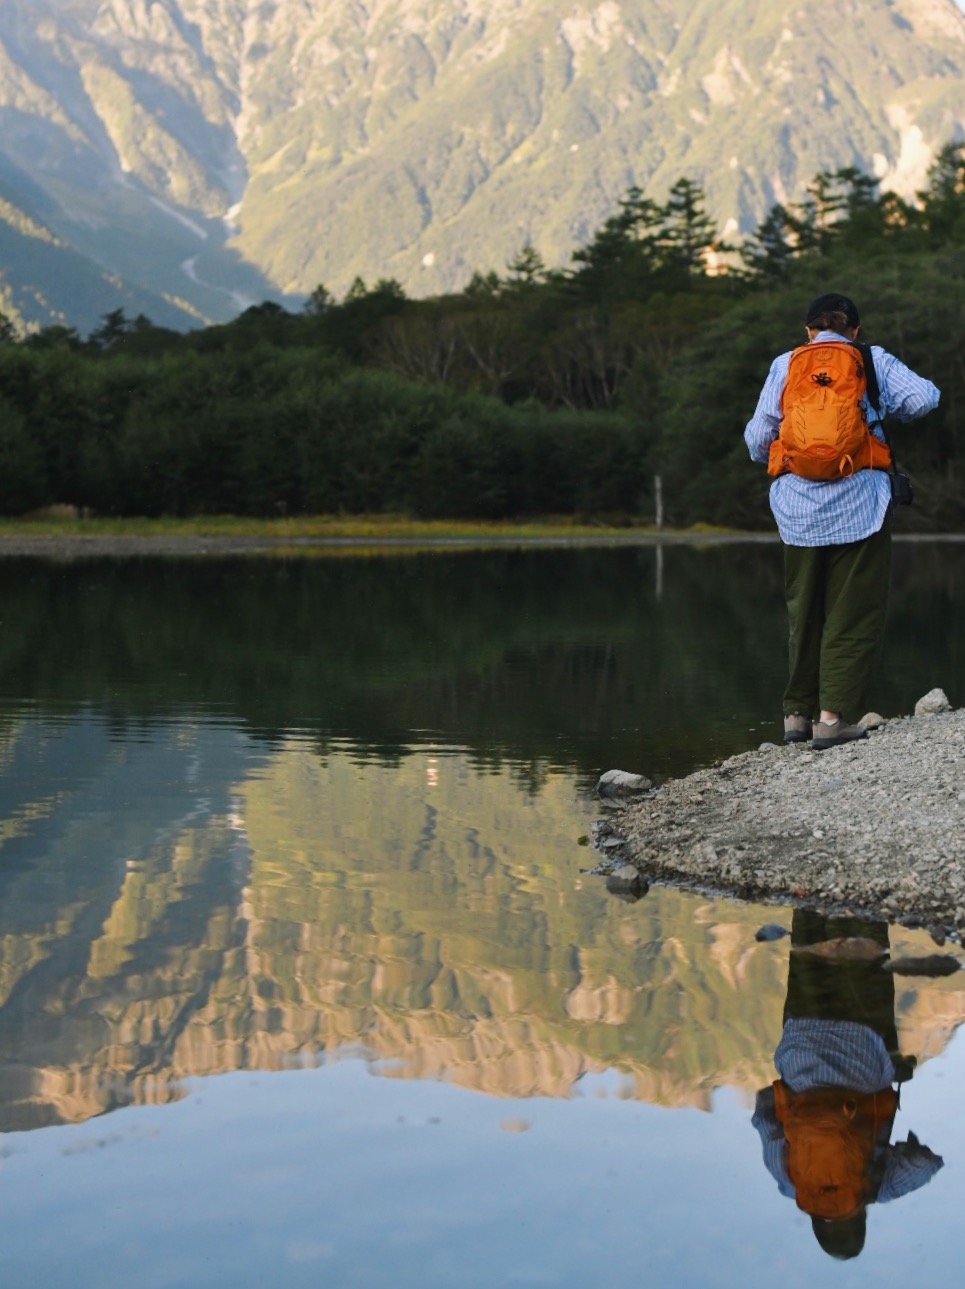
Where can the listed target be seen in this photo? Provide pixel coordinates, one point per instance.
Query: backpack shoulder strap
(871, 378)
(874, 398)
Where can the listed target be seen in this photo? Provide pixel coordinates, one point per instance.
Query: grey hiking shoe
(797, 728)
(831, 735)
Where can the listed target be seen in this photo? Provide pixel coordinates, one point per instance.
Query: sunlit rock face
(213, 151)
(428, 917)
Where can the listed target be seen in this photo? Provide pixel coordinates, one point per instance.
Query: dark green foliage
(21, 463)
(535, 393)
(265, 432)
(113, 327)
(55, 337)
(771, 250)
(688, 235)
(942, 214)
(488, 461)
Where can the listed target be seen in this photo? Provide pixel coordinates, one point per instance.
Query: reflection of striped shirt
(832, 1054)
(809, 512)
(838, 1054)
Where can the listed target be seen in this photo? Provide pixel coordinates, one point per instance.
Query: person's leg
(804, 592)
(856, 605)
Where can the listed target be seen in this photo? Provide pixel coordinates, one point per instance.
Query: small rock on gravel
(934, 702)
(620, 783)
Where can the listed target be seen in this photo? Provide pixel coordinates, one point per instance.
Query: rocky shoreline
(875, 827)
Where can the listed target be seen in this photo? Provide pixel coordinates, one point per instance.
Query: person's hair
(836, 321)
(842, 1239)
(832, 312)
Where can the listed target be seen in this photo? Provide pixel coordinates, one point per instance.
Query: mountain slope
(446, 155)
(42, 277)
(225, 149)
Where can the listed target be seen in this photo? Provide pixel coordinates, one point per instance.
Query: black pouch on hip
(901, 490)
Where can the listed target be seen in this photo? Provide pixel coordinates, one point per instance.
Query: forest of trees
(535, 392)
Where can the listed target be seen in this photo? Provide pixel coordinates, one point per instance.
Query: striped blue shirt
(814, 513)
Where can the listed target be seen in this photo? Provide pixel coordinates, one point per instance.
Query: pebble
(771, 931)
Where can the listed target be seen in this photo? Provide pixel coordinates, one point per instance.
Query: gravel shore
(876, 826)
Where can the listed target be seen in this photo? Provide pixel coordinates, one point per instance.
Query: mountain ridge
(222, 151)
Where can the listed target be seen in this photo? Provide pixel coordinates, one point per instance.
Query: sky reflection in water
(330, 1176)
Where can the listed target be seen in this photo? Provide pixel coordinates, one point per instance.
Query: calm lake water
(302, 980)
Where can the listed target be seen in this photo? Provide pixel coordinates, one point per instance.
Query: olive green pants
(837, 599)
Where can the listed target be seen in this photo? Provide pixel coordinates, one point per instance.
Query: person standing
(835, 528)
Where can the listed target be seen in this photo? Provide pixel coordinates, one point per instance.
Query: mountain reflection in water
(188, 903)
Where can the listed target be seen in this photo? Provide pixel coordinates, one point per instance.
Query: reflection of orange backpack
(823, 432)
(831, 1134)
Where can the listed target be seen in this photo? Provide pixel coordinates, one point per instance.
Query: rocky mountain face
(213, 152)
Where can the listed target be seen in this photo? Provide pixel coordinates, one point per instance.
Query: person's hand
(764, 1103)
(913, 1150)
(904, 1066)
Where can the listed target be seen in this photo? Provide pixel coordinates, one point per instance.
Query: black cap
(825, 305)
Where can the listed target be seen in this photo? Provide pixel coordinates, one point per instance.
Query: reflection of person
(837, 540)
(826, 1122)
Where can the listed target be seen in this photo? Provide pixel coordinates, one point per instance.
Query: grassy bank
(335, 527)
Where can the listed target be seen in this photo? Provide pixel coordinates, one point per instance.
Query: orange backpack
(823, 432)
(830, 1135)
